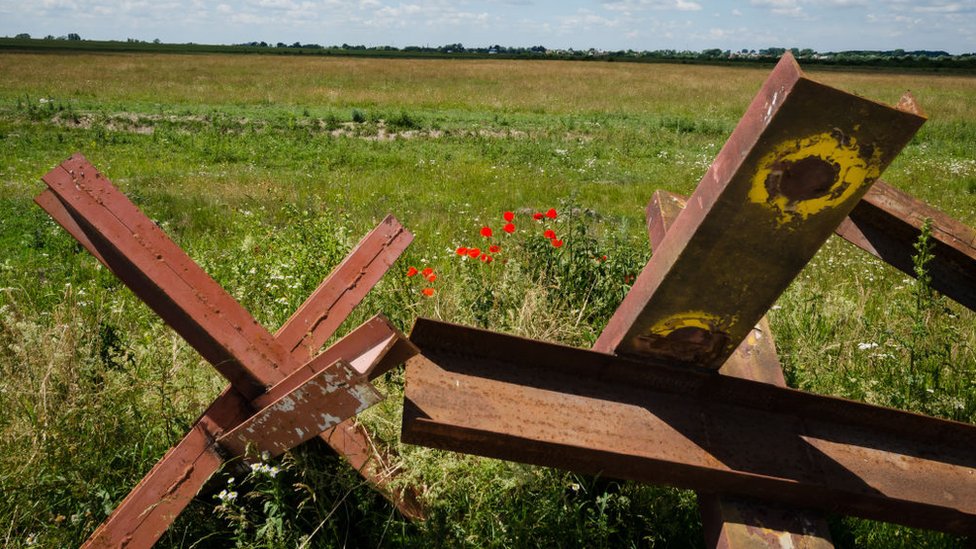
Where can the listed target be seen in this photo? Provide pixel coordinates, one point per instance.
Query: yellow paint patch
(690, 319)
(829, 151)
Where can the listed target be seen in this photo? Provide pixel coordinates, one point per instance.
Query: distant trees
(928, 59)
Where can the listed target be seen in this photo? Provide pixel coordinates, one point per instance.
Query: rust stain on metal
(181, 479)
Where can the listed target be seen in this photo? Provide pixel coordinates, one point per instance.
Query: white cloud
(629, 6)
(584, 20)
(940, 7)
(790, 8)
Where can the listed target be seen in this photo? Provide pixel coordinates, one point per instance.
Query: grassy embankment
(267, 170)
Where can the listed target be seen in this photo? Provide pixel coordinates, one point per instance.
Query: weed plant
(267, 171)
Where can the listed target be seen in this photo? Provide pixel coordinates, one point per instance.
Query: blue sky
(824, 25)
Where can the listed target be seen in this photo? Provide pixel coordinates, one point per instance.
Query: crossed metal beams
(281, 392)
(796, 166)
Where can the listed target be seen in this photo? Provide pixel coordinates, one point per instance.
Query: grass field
(268, 169)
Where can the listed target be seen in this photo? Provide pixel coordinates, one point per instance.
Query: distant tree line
(887, 58)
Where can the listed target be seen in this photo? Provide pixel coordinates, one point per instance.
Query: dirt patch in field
(146, 124)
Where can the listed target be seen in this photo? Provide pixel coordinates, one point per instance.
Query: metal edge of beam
(317, 319)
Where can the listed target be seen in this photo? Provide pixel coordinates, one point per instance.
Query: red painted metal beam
(501, 396)
(797, 163)
(313, 323)
(167, 280)
(111, 235)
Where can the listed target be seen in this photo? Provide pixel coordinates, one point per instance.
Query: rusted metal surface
(129, 244)
(887, 222)
(735, 523)
(802, 156)
(730, 522)
(506, 397)
(319, 403)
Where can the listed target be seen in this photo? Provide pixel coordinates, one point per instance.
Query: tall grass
(268, 170)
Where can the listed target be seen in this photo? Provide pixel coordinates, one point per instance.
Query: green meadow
(269, 169)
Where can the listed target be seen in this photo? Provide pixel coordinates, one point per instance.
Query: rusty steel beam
(317, 404)
(887, 222)
(736, 523)
(167, 280)
(797, 163)
(506, 397)
(731, 522)
(49, 202)
(309, 327)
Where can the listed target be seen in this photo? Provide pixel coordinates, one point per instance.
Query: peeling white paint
(328, 421)
(286, 404)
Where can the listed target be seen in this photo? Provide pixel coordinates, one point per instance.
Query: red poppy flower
(494, 249)
(550, 234)
(551, 214)
(474, 252)
(427, 292)
(462, 250)
(486, 232)
(602, 259)
(510, 228)
(412, 271)
(431, 277)
(486, 258)
(557, 243)
(537, 216)
(509, 216)
(427, 272)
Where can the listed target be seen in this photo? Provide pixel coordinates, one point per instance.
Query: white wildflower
(226, 496)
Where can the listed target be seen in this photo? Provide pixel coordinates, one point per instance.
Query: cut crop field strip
(265, 169)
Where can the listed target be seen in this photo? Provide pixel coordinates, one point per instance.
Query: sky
(822, 25)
